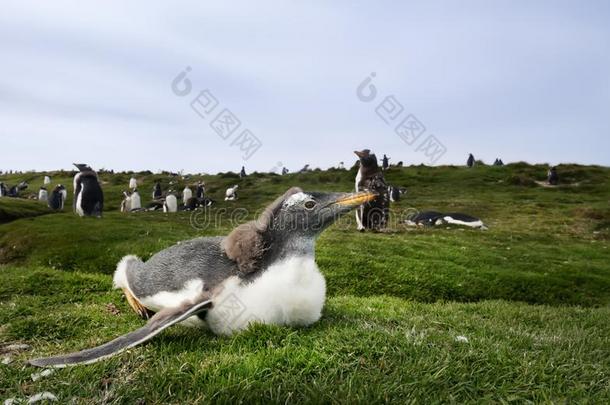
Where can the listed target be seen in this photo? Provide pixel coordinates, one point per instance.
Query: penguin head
(83, 167)
(367, 159)
(296, 215)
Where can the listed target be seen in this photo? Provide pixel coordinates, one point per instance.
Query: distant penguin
(242, 173)
(133, 183)
(126, 203)
(187, 194)
(399, 164)
(43, 194)
(157, 192)
(231, 193)
(305, 169)
(58, 198)
(15, 190)
(341, 166)
(284, 171)
(3, 190)
(200, 191)
(395, 193)
(170, 204)
(88, 194)
(136, 200)
(373, 214)
(47, 180)
(385, 162)
(434, 218)
(470, 161)
(552, 176)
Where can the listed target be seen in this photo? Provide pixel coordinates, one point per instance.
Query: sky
(271, 84)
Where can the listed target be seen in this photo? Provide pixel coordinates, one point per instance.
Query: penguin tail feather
(155, 325)
(126, 264)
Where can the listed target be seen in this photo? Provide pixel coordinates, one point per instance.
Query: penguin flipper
(155, 325)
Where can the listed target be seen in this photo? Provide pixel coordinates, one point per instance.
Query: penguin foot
(140, 309)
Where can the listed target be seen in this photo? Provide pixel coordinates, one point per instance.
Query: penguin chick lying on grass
(433, 218)
(264, 271)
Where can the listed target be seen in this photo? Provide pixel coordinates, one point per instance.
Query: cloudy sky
(92, 82)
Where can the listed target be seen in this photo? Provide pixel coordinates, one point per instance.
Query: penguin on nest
(266, 267)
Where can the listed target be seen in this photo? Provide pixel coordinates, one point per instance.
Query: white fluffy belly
(290, 292)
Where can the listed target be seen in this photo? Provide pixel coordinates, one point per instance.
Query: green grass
(531, 295)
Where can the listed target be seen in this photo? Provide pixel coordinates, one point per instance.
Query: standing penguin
(126, 203)
(133, 183)
(187, 194)
(552, 176)
(43, 194)
(267, 266)
(374, 214)
(200, 191)
(3, 190)
(171, 203)
(385, 162)
(47, 180)
(136, 200)
(58, 198)
(242, 173)
(470, 161)
(88, 194)
(157, 192)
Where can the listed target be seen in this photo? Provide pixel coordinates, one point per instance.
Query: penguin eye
(310, 205)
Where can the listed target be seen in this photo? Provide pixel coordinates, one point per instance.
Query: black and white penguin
(265, 267)
(552, 176)
(200, 191)
(242, 173)
(305, 169)
(133, 183)
(285, 171)
(385, 162)
(231, 193)
(16, 190)
(374, 214)
(136, 200)
(126, 202)
(43, 194)
(435, 218)
(395, 193)
(157, 192)
(470, 161)
(171, 203)
(58, 198)
(187, 194)
(47, 180)
(88, 194)
(3, 190)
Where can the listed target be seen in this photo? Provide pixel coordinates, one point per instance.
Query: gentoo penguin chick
(88, 194)
(374, 214)
(470, 161)
(47, 180)
(231, 193)
(58, 198)
(187, 194)
(133, 183)
(43, 194)
(171, 203)
(434, 218)
(265, 268)
(157, 192)
(552, 176)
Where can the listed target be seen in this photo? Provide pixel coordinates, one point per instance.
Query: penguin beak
(356, 199)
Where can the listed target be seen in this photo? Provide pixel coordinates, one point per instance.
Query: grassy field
(515, 314)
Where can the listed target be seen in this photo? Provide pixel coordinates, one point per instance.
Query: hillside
(531, 294)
